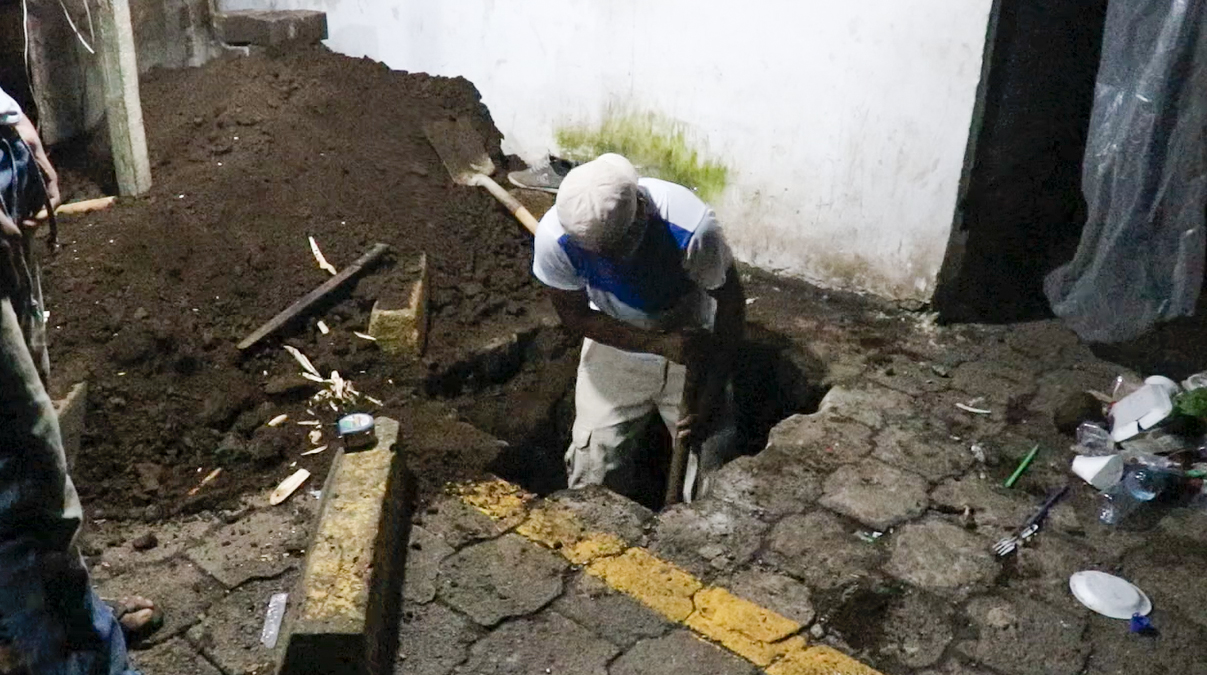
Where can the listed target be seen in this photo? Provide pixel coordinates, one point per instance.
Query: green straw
(1022, 466)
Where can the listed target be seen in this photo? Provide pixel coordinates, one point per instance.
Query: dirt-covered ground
(250, 156)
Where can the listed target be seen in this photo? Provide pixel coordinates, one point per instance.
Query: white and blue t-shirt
(663, 286)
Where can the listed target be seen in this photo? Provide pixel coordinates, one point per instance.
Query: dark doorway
(1022, 211)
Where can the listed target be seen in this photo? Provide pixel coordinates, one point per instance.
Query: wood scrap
(288, 486)
(314, 297)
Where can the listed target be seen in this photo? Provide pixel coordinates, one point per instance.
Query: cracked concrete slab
(1177, 648)
(770, 484)
(917, 630)
(920, 446)
(875, 494)
(456, 523)
(870, 405)
(174, 656)
(821, 551)
(1042, 569)
(230, 633)
(820, 442)
(612, 615)
(998, 511)
(256, 547)
(180, 588)
(1025, 637)
(546, 643)
(501, 578)
(941, 557)
(1170, 572)
(779, 593)
(707, 537)
(114, 539)
(432, 640)
(679, 653)
(601, 510)
(425, 552)
(907, 376)
(956, 668)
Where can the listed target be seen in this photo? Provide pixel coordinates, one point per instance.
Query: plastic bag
(1141, 255)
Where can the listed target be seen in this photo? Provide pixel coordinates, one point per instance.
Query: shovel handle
(680, 449)
(517, 209)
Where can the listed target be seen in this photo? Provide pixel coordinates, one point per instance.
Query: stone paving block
(425, 552)
(679, 653)
(917, 630)
(907, 376)
(256, 547)
(921, 446)
(180, 588)
(399, 320)
(1043, 342)
(820, 442)
(599, 509)
(173, 537)
(818, 549)
(771, 484)
(707, 537)
(777, 592)
(230, 633)
(1178, 648)
(456, 523)
(875, 494)
(1185, 523)
(432, 640)
(998, 511)
(174, 657)
(1054, 387)
(270, 28)
(942, 558)
(612, 615)
(869, 404)
(663, 587)
(502, 578)
(546, 643)
(348, 600)
(1025, 637)
(995, 379)
(755, 633)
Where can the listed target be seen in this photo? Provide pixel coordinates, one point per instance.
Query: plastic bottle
(1116, 505)
(1094, 440)
(1144, 480)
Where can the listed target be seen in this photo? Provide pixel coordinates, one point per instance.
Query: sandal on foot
(138, 617)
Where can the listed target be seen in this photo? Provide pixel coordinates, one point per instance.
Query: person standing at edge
(641, 269)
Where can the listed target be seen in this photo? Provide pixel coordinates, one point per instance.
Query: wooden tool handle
(517, 209)
(680, 449)
(85, 206)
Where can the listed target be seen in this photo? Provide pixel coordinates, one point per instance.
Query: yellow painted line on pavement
(762, 637)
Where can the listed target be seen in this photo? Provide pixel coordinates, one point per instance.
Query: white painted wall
(844, 124)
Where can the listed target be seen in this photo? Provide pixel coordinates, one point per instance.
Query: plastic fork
(1008, 545)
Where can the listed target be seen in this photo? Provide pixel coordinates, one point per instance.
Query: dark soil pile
(250, 156)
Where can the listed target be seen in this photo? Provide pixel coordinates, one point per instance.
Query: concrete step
(270, 28)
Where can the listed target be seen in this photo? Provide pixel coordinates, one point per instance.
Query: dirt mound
(250, 156)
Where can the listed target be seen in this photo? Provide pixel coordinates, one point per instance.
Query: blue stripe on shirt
(652, 280)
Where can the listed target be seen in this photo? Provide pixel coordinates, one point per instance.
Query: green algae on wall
(658, 146)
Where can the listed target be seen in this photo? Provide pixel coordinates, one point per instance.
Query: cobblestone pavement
(865, 526)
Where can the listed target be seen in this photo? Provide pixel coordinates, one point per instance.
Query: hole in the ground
(521, 389)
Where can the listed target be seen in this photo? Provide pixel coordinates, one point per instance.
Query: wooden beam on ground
(123, 107)
(315, 296)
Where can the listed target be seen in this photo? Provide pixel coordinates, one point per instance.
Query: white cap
(597, 201)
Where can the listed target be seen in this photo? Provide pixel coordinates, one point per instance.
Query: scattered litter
(310, 423)
(1030, 527)
(316, 436)
(374, 401)
(278, 420)
(364, 336)
(314, 451)
(272, 620)
(750, 301)
(288, 486)
(323, 328)
(318, 256)
(869, 536)
(975, 411)
(1141, 624)
(1109, 595)
(1143, 408)
(978, 453)
(1102, 472)
(1022, 466)
(303, 361)
(209, 478)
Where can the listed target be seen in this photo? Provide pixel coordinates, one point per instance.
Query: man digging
(51, 621)
(640, 268)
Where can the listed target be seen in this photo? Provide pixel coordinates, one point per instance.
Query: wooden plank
(123, 107)
(313, 297)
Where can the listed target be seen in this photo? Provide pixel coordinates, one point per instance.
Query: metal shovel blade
(460, 148)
